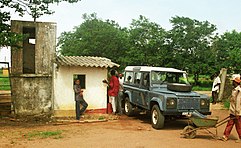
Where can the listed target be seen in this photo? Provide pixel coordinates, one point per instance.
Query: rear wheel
(157, 118)
(128, 108)
(189, 132)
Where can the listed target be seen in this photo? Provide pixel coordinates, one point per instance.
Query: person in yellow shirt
(235, 111)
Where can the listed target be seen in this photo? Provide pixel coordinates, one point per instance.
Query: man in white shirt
(215, 88)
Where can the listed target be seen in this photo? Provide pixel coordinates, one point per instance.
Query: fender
(128, 94)
(159, 101)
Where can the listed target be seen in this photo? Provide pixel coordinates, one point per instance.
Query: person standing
(113, 90)
(120, 94)
(235, 110)
(79, 100)
(215, 88)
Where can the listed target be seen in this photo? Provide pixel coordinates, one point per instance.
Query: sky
(225, 14)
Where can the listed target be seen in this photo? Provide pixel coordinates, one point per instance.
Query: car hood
(179, 94)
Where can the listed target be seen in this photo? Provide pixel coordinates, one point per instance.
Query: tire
(157, 118)
(128, 107)
(188, 134)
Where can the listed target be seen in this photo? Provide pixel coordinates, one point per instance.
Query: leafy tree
(95, 37)
(190, 40)
(227, 49)
(146, 41)
(35, 8)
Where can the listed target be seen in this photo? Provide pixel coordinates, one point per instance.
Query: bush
(205, 83)
(226, 103)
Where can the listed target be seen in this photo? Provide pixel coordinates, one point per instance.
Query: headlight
(203, 103)
(171, 103)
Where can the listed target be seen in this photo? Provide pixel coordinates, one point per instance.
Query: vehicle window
(160, 77)
(157, 77)
(128, 77)
(177, 78)
(137, 78)
(145, 81)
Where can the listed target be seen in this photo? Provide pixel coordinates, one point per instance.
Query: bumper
(185, 112)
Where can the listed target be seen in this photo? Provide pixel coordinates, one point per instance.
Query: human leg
(229, 127)
(214, 96)
(238, 127)
(84, 106)
(113, 103)
(77, 109)
(120, 95)
(110, 99)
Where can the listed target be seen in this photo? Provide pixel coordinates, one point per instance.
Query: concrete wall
(32, 96)
(44, 48)
(32, 93)
(95, 93)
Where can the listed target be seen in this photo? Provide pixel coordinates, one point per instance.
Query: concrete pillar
(223, 75)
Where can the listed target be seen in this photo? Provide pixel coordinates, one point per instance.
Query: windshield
(162, 77)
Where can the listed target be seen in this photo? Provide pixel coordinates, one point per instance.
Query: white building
(91, 71)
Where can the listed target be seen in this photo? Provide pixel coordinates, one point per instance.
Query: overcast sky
(225, 14)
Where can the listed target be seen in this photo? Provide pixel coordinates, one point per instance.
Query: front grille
(188, 103)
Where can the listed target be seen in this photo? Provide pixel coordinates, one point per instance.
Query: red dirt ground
(133, 132)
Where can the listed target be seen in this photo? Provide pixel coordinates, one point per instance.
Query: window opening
(145, 80)
(29, 50)
(137, 78)
(82, 79)
(128, 77)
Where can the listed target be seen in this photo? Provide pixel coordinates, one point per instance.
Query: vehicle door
(136, 91)
(144, 89)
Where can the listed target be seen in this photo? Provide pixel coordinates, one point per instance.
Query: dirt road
(131, 132)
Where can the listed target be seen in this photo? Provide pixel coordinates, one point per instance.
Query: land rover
(161, 91)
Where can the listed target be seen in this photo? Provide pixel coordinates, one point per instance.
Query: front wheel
(128, 108)
(157, 118)
(189, 132)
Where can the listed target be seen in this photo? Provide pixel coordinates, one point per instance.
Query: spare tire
(179, 87)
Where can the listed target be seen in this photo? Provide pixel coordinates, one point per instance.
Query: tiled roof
(86, 61)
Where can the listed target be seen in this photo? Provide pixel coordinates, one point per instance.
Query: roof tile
(86, 61)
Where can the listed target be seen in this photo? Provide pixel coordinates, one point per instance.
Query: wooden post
(223, 75)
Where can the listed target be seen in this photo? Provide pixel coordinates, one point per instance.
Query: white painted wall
(95, 93)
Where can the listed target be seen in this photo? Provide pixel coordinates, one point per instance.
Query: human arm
(78, 90)
(111, 83)
(218, 82)
(238, 104)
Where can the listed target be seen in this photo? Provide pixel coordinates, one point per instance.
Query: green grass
(44, 134)
(101, 118)
(4, 82)
(200, 88)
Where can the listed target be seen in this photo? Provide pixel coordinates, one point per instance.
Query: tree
(35, 8)
(146, 41)
(191, 40)
(95, 37)
(227, 49)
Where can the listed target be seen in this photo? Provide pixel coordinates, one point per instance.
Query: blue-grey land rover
(162, 91)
